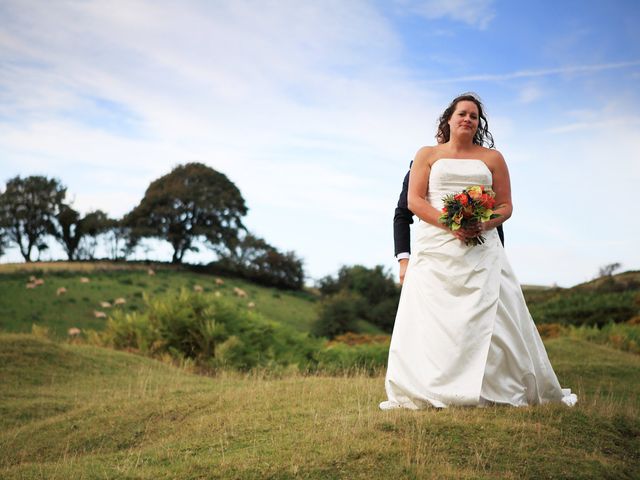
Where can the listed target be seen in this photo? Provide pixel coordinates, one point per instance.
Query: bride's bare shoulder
(491, 156)
(426, 155)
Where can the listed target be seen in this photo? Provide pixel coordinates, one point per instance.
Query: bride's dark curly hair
(482, 136)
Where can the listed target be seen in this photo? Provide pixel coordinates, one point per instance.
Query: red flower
(487, 200)
(462, 198)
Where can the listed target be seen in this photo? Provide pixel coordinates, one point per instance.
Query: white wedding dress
(463, 334)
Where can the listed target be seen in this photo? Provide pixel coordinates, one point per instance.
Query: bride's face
(464, 120)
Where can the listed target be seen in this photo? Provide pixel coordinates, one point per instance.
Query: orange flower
(475, 192)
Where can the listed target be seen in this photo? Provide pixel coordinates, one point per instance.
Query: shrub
(351, 338)
(623, 336)
(635, 320)
(212, 331)
(339, 313)
(551, 330)
(585, 308)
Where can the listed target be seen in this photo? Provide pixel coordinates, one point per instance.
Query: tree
(67, 231)
(374, 287)
(607, 270)
(92, 225)
(253, 258)
(373, 284)
(118, 239)
(78, 236)
(28, 208)
(191, 202)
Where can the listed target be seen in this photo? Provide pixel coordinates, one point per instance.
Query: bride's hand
(470, 231)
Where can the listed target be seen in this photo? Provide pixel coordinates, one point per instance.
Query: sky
(314, 109)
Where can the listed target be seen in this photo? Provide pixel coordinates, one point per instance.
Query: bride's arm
(418, 186)
(502, 187)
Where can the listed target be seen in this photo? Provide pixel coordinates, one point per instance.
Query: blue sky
(314, 110)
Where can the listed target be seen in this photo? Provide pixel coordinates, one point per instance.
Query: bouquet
(472, 205)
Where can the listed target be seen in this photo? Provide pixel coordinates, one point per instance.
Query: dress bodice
(450, 175)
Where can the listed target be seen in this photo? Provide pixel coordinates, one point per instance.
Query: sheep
(198, 288)
(98, 314)
(251, 305)
(30, 285)
(150, 272)
(84, 280)
(119, 301)
(219, 281)
(105, 304)
(38, 281)
(32, 279)
(239, 292)
(61, 291)
(74, 332)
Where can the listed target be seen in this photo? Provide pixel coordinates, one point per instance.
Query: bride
(463, 334)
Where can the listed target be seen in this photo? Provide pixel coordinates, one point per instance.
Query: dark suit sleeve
(401, 220)
(501, 234)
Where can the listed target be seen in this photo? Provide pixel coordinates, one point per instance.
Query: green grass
(76, 411)
(21, 307)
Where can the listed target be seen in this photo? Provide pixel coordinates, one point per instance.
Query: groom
(401, 236)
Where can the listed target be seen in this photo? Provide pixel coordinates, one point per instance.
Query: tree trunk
(26, 252)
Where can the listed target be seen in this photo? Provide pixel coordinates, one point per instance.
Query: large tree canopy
(28, 208)
(192, 201)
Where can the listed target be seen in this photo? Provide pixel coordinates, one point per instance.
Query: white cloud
(477, 13)
(530, 93)
(544, 72)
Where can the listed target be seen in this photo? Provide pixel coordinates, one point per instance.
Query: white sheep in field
(74, 332)
(239, 292)
(61, 291)
(30, 285)
(98, 314)
(119, 301)
(84, 280)
(251, 305)
(38, 281)
(105, 304)
(198, 288)
(151, 272)
(219, 281)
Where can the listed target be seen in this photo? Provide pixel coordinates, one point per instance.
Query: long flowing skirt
(463, 334)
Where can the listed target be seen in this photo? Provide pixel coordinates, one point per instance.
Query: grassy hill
(21, 307)
(74, 411)
(607, 299)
